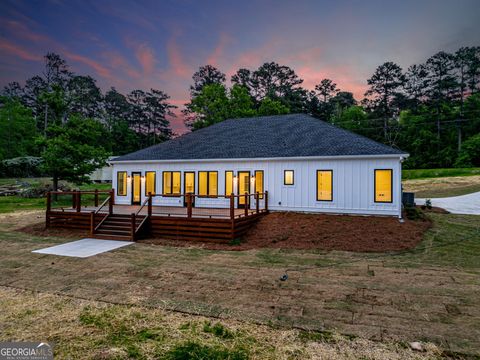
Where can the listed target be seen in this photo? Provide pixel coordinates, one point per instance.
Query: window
(324, 185)
(259, 182)
(171, 183)
(208, 183)
(288, 177)
(150, 178)
(228, 183)
(122, 183)
(383, 185)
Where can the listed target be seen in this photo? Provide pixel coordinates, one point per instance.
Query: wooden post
(266, 201)
(79, 201)
(112, 197)
(92, 223)
(134, 225)
(232, 206)
(257, 201)
(110, 203)
(49, 206)
(189, 205)
(96, 197)
(74, 199)
(149, 204)
(246, 204)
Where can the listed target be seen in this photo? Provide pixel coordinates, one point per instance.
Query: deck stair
(117, 227)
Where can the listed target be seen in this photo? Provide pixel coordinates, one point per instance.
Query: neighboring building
(304, 163)
(104, 174)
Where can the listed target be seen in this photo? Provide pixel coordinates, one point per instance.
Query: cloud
(177, 64)
(18, 51)
(218, 52)
(146, 58)
(100, 69)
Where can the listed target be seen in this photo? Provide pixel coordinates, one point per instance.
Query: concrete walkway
(83, 248)
(464, 204)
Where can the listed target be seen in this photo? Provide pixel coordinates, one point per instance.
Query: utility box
(408, 199)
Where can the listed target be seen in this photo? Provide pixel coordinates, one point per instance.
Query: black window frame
(263, 182)
(208, 183)
(375, 186)
(126, 185)
(233, 188)
(284, 178)
(154, 183)
(331, 182)
(172, 194)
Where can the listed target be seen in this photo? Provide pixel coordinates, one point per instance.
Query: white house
(304, 163)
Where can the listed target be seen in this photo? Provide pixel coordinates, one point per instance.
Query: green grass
(447, 191)
(434, 173)
(16, 203)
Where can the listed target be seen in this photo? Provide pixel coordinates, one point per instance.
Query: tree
(354, 119)
(157, 108)
(209, 106)
(469, 155)
(84, 96)
(56, 73)
(72, 151)
(272, 107)
(206, 75)
(17, 129)
(240, 102)
(327, 89)
(416, 83)
(385, 84)
(117, 108)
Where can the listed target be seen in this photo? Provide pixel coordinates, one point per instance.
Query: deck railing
(59, 199)
(253, 203)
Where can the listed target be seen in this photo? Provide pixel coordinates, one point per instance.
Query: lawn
(436, 173)
(16, 203)
(151, 301)
(443, 187)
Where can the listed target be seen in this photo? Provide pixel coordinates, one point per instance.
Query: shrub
(469, 156)
(25, 166)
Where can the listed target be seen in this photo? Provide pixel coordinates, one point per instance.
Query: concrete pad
(83, 248)
(465, 204)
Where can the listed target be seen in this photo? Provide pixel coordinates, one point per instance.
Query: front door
(243, 187)
(136, 188)
(188, 186)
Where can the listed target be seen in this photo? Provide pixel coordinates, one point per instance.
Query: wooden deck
(132, 222)
(174, 211)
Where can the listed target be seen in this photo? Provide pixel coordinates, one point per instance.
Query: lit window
(171, 182)
(150, 182)
(208, 183)
(324, 185)
(259, 182)
(383, 186)
(228, 182)
(122, 183)
(288, 177)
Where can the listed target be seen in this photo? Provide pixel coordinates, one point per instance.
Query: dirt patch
(39, 229)
(442, 187)
(289, 230)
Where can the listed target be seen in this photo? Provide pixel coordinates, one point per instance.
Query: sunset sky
(159, 44)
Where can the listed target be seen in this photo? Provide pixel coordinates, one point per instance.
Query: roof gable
(294, 135)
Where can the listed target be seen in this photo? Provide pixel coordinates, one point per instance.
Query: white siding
(353, 183)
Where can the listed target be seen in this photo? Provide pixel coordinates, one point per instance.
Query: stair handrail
(143, 205)
(97, 211)
(102, 205)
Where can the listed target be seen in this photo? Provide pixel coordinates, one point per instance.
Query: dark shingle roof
(295, 135)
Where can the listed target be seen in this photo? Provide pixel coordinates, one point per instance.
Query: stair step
(112, 232)
(112, 237)
(114, 227)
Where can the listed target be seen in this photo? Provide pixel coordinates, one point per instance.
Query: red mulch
(289, 230)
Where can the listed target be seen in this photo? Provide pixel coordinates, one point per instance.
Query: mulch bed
(289, 230)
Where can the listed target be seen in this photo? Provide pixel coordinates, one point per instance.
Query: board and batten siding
(353, 183)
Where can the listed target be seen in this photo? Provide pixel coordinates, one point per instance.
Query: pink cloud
(99, 68)
(15, 50)
(146, 58)
(177, 64)
(218, 52)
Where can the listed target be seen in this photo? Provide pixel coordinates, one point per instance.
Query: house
(304, 163)
(103, 174)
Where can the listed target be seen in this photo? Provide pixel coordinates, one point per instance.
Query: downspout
(400, 192)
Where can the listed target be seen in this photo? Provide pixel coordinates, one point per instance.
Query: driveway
(83, 248)
(465, 204)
